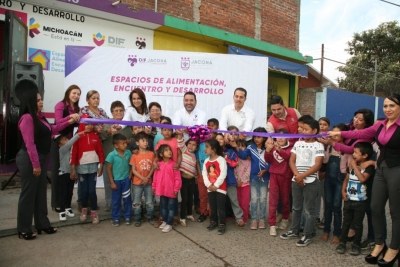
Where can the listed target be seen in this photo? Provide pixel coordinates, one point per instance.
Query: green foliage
(382, 44)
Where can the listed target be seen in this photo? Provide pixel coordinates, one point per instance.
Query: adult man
(238, 114)
(282, 117)
(189, 115)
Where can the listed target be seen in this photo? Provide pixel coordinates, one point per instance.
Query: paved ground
(105, 245)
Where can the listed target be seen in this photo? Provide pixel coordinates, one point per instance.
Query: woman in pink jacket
(166, 184)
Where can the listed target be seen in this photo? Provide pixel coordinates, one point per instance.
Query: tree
(382, 44)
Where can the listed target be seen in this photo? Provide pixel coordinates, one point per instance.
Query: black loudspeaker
(32, 71)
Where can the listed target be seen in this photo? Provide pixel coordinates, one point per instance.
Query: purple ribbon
(179, 127)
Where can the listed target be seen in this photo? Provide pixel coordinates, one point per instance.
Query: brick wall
(274, 21)
(307, 98)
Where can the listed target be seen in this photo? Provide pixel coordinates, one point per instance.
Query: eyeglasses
(118, 110)
(155, 110)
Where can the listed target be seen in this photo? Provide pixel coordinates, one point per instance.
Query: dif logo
(99, 40)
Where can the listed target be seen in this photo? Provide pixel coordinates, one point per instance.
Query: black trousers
(217, 205)
(33, 199)
(55, 166)
(187, 191)
(65, 191)
(353, 215)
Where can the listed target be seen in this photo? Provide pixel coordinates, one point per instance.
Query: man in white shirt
(238, 114)
(189, 115)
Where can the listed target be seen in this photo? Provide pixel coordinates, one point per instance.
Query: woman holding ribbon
(69, 105)
(387, 179)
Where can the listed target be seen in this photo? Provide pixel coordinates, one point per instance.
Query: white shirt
(132, 115)
(306, 153)
(243, 119)
(270, 128)
(184, 118)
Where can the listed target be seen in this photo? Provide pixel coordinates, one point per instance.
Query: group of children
(232, 176)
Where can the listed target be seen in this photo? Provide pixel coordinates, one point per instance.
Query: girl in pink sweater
(166, 184)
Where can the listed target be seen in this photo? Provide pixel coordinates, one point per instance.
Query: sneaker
(107, 208)
(83, 216)
(367, 244)
(69, 213)
(202, 218)
(261, 224)
(350, 238)
(341, 248)
(241, 224)
(321, 225)
(128, 221)
(284, 224)
(190, 218)
(115, 223)
(304, 241)
(221, 229)
(317, 220)
(182, 222)
(95, 217)
(278, 218)
(151, 220)
(272, 231)
(355, 250)
(138, 223)
(253, 225)
(289, 235)
(158, 222)
(212, 226)
(162, 225)
(166, 228)
(62, 217)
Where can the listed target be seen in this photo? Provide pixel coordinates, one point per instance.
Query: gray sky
(333, 22)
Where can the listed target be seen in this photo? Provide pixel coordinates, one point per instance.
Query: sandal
(26, 236)
(49, 230)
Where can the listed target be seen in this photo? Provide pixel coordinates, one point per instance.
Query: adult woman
(31, 160)
(138, 110)
(93, 111)
(387, 179)
(155, 117)
(69, 105)
(118, 111)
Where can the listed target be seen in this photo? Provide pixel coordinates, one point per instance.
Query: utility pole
(375, 74)
(322, 65)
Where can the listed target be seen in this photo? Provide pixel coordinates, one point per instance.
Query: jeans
(107, 186)
(333, 196)
(138, 191)
(123, 190)
(353, 213)
(87, 183)
(304, 197)
(258, 193)
(217, 206)
(66, 188)
(187, 191)
(167, 207)
(386, 186)
(319, 200)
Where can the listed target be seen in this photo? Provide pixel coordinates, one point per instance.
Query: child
(335, 174)
(242, 175)
(214, 174)
(170, 140)
(159, 136)
(142, 169)
(305, 161)
(86, 156)
(213, 124)
(277, 154)
(232, 161)
(324, 126)
(119, 175)
(259, 177)
(354, 194)
(166, 184)
(67, 181)
(203, 195)
(188, 173)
